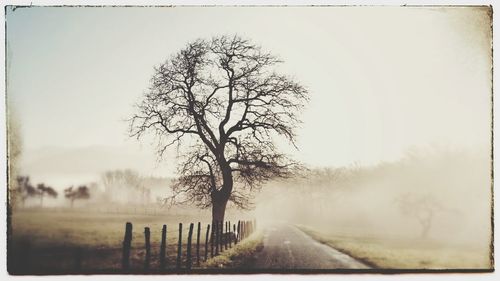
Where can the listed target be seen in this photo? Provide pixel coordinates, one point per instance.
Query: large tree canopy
(222, 103)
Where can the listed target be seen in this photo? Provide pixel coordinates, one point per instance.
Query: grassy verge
(239, 256)
(391, 253)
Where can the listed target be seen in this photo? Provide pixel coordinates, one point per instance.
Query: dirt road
(287, 247)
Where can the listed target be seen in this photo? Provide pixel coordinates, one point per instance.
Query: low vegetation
(242, 255)
(398, 253)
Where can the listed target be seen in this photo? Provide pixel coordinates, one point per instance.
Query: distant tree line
(26, 190)
(125, 186)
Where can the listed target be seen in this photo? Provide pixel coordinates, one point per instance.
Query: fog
(433, 193)
(448, 189)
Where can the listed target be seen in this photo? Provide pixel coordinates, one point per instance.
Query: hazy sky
(380, 79)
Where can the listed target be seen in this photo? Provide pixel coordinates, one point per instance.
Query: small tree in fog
(82, 192)
(221, 103)
(43, 190)
(423, 208)
(24, 189)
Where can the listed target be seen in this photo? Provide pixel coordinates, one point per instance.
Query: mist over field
(454, 185)
(432, 207)
(432, 198)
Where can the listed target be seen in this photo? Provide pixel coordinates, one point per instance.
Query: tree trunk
(220, 197)
(218, 209)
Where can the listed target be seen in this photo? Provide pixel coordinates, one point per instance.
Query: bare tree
(82, 192)
(124, 178)
(221, 103)
(421, 207)
(42, 189)
(327, 187)
(128, 183)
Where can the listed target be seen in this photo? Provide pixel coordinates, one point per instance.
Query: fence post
(198, 245)
(189, 260)
(230, 237)
(235, 237)
(239, 231)
(206, 242)
(225, 237)
(179, 247)
(216, 232)
(163, 247)
(147, 258)
(212, 240)
(127, 241)
(242, 230)
(221, 240)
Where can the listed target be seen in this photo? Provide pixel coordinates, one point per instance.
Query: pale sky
(381, 80)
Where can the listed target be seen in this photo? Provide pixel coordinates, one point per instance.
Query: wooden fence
(166, 249)
(219, 237)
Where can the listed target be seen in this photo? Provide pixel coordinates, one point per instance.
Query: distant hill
(91, 159)
(66, 166)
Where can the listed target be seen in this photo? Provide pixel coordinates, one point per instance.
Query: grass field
(47, 242)
(241, 256)
(399, 253)
(51, 239)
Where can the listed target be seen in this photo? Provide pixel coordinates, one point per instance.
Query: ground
(404, 253)
(48, 240)
(66, 241)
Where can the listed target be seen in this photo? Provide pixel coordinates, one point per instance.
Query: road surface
(287, 247)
